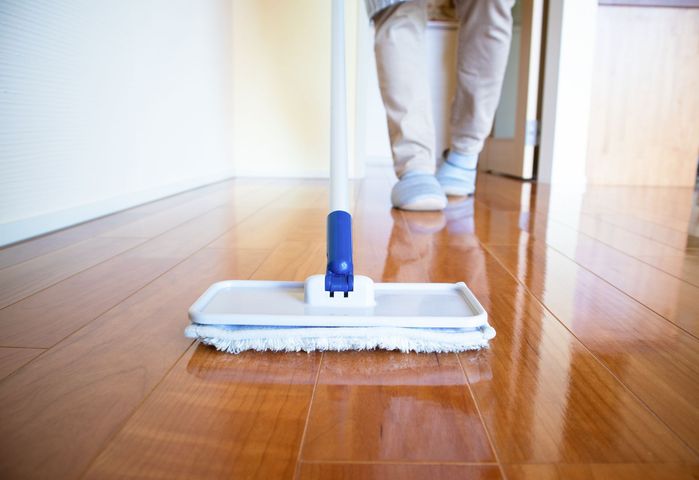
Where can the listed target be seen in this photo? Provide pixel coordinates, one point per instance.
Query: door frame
(515, 156)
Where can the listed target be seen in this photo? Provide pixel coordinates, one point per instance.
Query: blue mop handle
(339, 276)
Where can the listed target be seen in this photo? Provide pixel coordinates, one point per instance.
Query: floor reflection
(209, 365)
(388, 406)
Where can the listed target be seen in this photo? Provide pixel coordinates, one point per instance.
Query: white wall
(373, 145)
(109, 103)
(281, 86)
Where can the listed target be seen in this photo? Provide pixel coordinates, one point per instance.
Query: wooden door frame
(567, 92)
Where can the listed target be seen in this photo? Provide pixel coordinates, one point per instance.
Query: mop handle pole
(339, 276)
(339, 199)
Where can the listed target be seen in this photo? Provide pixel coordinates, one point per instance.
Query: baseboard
(18, 230)
(290, 173)
(281, 173)
(379, 160)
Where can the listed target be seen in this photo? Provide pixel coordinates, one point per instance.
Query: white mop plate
(269, 303)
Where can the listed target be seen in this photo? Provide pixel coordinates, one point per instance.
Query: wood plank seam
(465, 376)
(26, 362)
(183, 199)
(596, 216)
(147, 240)
(144, 241)
(73, 235)
(597, 240)
(587, 349)
(120, 427)
(622, 251)
(297, 467)
(622, 227)
(480, 416)
(626, 294)
(637, 300)
(129, 296)
(397, 462)
(581, 265)
(24, 348)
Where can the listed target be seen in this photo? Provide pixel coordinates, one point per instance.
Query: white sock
(457, 174)
(418, 191)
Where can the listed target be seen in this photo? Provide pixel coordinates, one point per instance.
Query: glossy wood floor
(594, 372)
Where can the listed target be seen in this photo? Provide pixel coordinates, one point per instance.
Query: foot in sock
(457, 174)
(418, 191)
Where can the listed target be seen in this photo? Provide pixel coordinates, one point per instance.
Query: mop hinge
(339, 283)
(317, 296)
(339, 275)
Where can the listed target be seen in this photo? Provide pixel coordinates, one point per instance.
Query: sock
(457, 174)
(460, 160)
(418, 191)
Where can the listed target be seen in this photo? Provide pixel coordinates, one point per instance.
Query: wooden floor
(594, 372)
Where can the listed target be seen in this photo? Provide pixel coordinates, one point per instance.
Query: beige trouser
(485, 28)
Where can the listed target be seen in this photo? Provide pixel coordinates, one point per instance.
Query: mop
(339, 310)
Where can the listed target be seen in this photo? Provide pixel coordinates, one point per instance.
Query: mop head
(236, 339)
(239, 315)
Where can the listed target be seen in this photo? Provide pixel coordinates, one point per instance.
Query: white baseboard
(279, 173)
(25, 228)
(379, 160)
(290, 173)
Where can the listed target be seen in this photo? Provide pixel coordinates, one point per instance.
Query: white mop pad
(239, 315)
(235, 338)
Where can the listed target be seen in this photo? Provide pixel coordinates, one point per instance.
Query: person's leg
(401, 66)
(485, 29)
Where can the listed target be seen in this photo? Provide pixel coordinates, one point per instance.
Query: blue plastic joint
(339, 276)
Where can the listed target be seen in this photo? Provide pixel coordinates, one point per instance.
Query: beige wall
(281, 86)
(644, 123)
